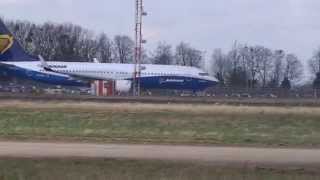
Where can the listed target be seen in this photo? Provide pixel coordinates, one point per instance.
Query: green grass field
(20, 169)
(143, 123)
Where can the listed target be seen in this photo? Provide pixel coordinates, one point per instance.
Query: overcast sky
(292, 25)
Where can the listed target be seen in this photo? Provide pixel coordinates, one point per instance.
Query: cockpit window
(204, 74)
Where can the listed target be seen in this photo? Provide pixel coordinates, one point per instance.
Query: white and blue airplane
(14, 61)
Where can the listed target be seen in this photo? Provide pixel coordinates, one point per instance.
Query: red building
(103, 88)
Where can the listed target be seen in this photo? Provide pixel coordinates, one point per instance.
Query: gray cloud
(287, 24)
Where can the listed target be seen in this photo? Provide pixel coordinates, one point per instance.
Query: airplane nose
(213, 81)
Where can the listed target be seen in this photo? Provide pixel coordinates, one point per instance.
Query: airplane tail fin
(10, 49)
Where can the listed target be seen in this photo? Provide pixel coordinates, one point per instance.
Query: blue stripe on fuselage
(41, 77)
(175, 82)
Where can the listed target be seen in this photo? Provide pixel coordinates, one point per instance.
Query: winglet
(44, 64)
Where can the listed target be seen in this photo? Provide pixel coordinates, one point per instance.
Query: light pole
(139, 41)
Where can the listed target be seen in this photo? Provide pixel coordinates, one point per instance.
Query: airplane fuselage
(80, 74)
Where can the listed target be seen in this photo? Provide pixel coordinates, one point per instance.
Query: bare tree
(163, 54)
(238, 75)
(123, 46)
(314, 62)
(277, 68)
(181, 54)
(251, 66)
(250, 54)
(188, 56)
(88, 47)
(220, 65)
(264, 61)
(105, 48)
(234, 57)
(195, 57)
(46, 41)
(293, 68)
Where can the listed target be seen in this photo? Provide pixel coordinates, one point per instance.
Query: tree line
(260, 67)
(69, 42)
(243, 66)
(257, 66)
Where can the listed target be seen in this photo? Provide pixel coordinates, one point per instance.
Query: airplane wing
(83, 78)
(2, 64)
(47, 68)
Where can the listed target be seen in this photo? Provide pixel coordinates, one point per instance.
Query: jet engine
(123, 86)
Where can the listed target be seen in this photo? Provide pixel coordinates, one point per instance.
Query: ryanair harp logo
(6, 42)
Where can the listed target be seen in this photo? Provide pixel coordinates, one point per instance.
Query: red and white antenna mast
(139, 13)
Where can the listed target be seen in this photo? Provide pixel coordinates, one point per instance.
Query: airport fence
(217, 92)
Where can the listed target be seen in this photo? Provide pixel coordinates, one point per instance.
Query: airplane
(14, 61)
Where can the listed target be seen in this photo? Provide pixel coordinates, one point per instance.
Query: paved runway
(217, 155)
